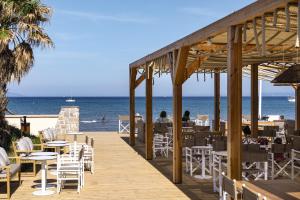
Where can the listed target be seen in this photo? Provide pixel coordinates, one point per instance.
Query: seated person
(186, 116)
(163, 118)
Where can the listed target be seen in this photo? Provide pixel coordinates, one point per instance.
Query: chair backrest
(219, 143)
(80, 155)
(86, 140)
(198, 128)
(200, 140)
(188, 140)
(296, 142)
(290, 127)
(268, 132)
(161, 127)
(22, 145)
(249, 195)
(278, 148)
(29, 142)
(47, 135)
(229, 186)
(252, 153)
(92, 142)
(124, 117)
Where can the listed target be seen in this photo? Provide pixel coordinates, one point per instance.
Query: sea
(101, 113)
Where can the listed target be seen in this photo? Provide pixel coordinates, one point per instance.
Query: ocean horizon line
(222, 96)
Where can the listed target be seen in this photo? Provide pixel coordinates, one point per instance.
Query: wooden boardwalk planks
(120, 173)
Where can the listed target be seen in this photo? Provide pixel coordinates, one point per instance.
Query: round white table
(201, 150)
(43, 191)
(57, 145)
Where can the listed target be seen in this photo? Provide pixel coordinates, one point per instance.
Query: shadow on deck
(193, 188)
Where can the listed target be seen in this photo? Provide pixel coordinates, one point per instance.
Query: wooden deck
(120, 173)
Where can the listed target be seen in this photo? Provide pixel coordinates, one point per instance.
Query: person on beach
(186, 116)
(163, 117)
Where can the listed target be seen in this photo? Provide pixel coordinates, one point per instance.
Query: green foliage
(8, 134)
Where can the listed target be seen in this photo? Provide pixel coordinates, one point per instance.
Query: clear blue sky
(95, 40)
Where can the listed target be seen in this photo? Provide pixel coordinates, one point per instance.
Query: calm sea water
(93, 109)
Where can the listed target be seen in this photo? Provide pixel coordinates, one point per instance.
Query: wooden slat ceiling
(269, 40)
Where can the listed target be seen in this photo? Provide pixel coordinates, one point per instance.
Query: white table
(201, 150)
(43, 191)
(57, 145)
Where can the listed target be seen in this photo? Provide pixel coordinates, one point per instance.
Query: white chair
(280, 166)
(169, 134)
(70, 169)
(160, 145)
(219, 165)
(124, 124)
(295, 163)
(192, 163)
(89, 156)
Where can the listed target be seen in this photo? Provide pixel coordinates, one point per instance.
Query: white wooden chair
(70, 169)
(295, 163)
(219, 165)
(160, 145)
(192, 163)
(124, 124)
(89, 156)
(280, 167)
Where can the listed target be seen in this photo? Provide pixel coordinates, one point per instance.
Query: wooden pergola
(260, 40)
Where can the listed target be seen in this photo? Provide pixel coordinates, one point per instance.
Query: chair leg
(19, 177)
(8, 188)
(34, 168)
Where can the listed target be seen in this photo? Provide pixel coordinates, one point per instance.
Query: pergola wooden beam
(255, 9)
(180, 70)
(149, 122)
(139, 80)
(254, 100)
(217, 101)
(297, 107)
(234, 93)
(132, 76)
(179, 73)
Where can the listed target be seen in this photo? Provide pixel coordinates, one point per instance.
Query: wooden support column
(179, 76)
(217, 101)
(234, 93)
(254, 100)
(149, 122)
(177, 133)
(297, 107)
(132, 76)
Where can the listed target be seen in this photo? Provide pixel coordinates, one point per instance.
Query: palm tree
(21, 30)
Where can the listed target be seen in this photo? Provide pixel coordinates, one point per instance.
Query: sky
(95, 40)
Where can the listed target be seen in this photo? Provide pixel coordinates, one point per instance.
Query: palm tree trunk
(3, 103)
(4, 133)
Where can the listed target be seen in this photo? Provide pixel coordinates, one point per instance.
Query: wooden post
(234, 92)
(254, 100)
(149, 122)
(177, 133)
(217, 101)
(297, 107)
(132, 76)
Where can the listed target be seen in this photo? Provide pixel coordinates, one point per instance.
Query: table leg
(43, 190)
(203, 163)
(44, 175)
